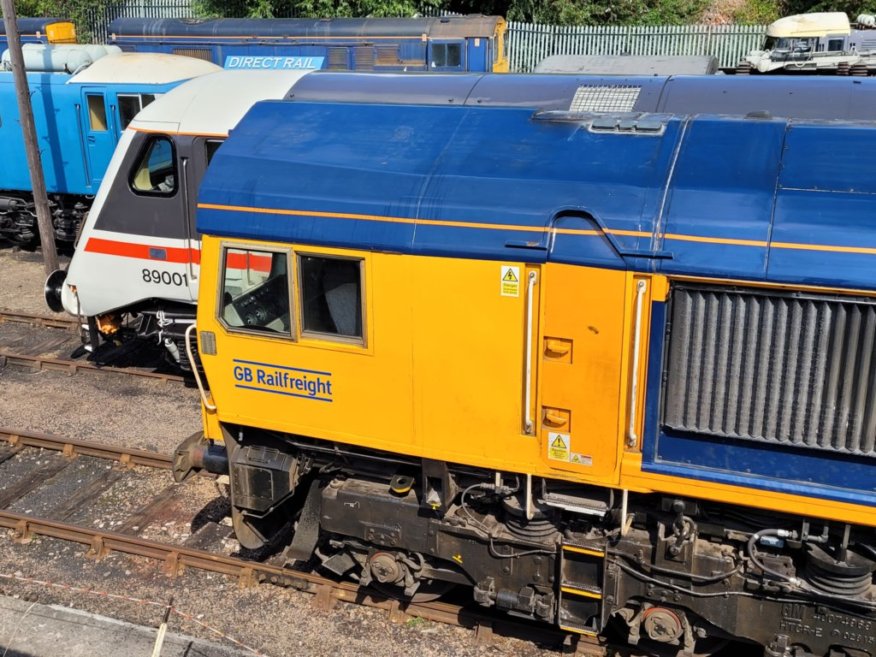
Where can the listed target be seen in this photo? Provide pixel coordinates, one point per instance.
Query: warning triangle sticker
(558, 443)
(509, 276)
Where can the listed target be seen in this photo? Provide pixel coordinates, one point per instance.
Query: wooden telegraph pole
(34, 161)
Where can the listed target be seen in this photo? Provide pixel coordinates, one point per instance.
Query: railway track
(36, 467)
(35, 319)
(46, 352)
(71, 366)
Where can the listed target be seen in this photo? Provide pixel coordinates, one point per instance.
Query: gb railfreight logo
(283, 380)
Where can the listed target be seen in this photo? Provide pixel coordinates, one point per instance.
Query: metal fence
(528, 43)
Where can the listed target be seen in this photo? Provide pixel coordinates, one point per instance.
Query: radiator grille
(363, 58)
(337, 59)
(387, 56)
(784, 370)
(198, 53)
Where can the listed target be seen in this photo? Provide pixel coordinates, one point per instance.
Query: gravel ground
(23, 277)
(150, 415)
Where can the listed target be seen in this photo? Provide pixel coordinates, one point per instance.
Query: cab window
(155, 171)
(255, 291)
(211, 146)
(446, 55)
(130, 105)
(331, 297)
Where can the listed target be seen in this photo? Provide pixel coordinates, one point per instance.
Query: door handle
(91, 139)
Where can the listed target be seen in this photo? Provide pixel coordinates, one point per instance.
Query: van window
(96, 112)
(255, 291)
(155, 171)
(331, 296)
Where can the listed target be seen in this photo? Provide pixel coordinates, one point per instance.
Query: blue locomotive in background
(41, 30)
(83, 98)
(446, 44)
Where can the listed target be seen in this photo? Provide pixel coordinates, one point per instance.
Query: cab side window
(331, 296)
(446, 55)
(210, 147)
(255, 291)
(130, 105)
(155, 170)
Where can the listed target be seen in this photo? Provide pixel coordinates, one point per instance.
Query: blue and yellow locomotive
(446, 44)
(610, 370)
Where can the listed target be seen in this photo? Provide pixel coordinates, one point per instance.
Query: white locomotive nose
(54, 290)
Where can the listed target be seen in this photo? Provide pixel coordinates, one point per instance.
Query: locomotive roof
(145, 68)
(811, 97)
(32, 25)
(450, 26)
(471, 180)
(810, 25)
(212, 104)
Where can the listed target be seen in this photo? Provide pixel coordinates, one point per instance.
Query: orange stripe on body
(530, 229)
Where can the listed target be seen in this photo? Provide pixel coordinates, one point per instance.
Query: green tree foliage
(76, 10)
(312, 8)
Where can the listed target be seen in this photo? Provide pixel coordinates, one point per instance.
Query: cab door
(581, 354)
(194, 162)
(99, 134)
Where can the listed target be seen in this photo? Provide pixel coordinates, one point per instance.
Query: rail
(175, 558)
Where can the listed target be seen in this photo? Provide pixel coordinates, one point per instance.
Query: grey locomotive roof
(810, 97)
(447, 26)
(628, 65)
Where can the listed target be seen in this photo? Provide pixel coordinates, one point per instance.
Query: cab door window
(155, 171)
(256, 291)
(96, 113)
(331, 297)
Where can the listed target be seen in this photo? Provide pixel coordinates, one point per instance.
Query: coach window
(255, 291)
(96, 113)
(155, 171)
(331, 297)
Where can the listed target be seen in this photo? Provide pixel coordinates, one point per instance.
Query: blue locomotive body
(459, 43)
(79, 119)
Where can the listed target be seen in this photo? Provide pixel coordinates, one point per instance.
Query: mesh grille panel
(777, 369)
(387, 56)
(198, 53)
(337, 59)
(363, 58)
(605, 98)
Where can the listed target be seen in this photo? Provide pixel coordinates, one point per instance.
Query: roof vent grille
(605, 98)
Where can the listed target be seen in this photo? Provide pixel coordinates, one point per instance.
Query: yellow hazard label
(559, 446)
(510, 281)
(581, 459)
